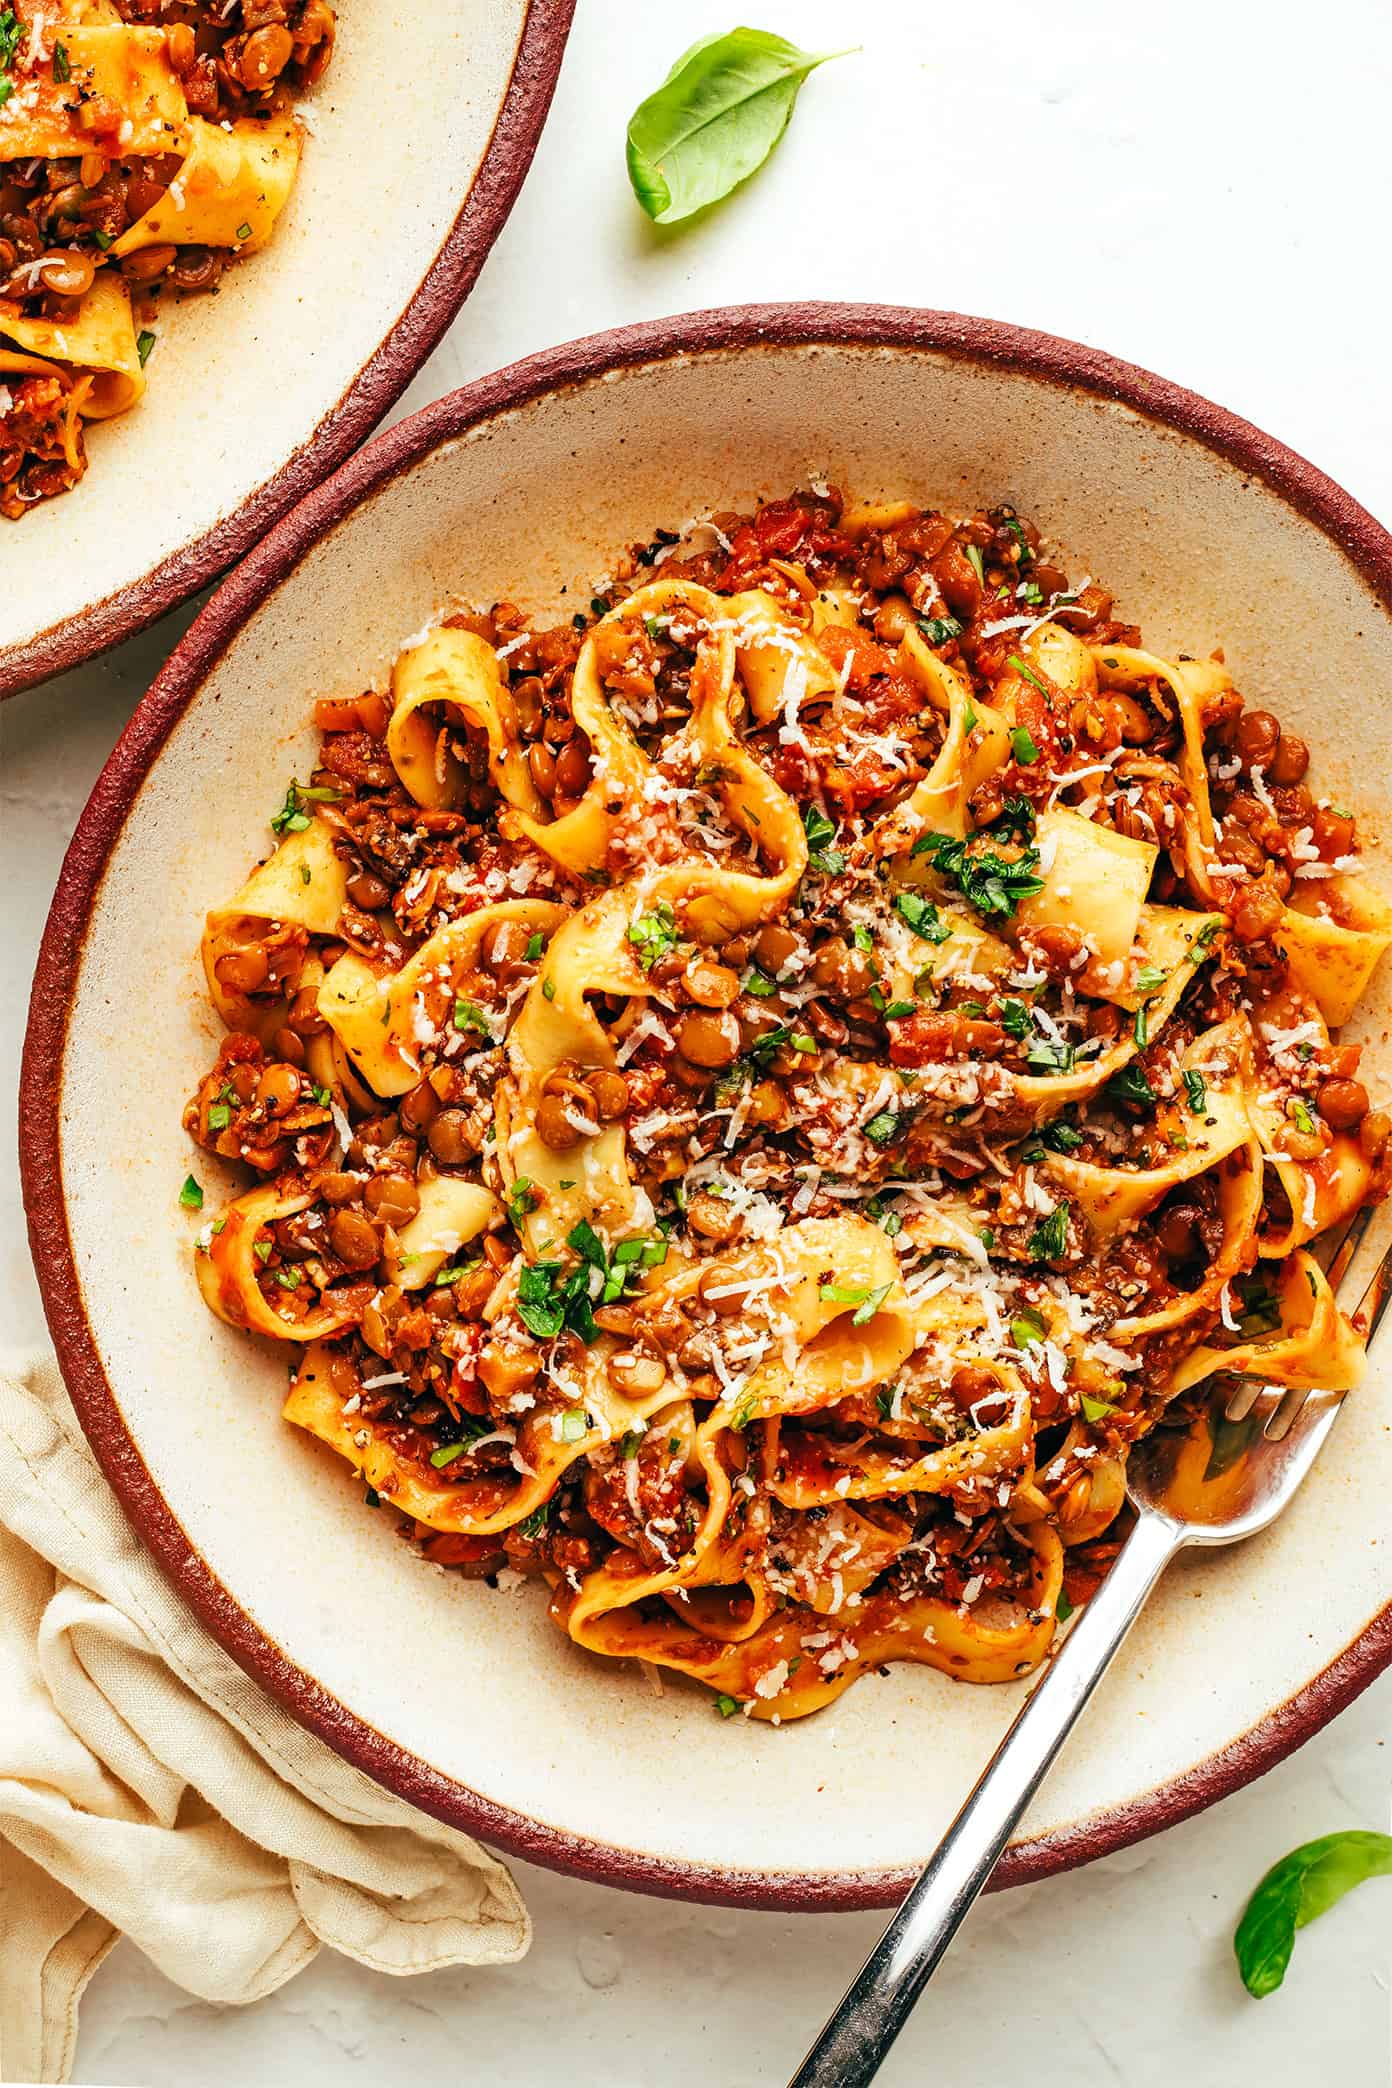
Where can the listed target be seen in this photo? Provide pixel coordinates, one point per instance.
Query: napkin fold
(150, 1788)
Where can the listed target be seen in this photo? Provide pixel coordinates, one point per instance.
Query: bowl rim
(434, 303)
(734, 331)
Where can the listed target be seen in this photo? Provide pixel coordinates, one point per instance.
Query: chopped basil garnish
(588, 1245)
(922, 916)
(820, 830)
(1130, 1085)
(468, 1015)
(1048, 1055)
(540, 1307)
(995, 885)
(1017, 530)
(866, 1301)
(939, 630)
(1030, 676)
(654, 935)
(1015, 821)
(292, 817)
(1060, 1137)
(1049, 1239)
(446, 1454)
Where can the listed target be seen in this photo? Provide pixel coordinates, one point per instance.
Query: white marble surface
(1195, 187)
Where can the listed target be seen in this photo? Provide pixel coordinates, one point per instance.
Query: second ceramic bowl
(422, 129)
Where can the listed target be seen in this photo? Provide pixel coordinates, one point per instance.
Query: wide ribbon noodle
(763, 1093)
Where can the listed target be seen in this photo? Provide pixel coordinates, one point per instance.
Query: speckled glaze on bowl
(466, 1701)
(423, 128)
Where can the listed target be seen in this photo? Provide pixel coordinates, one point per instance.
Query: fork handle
(857, 2037)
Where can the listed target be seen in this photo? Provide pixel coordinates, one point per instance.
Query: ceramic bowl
(258, 393)
(524, 486)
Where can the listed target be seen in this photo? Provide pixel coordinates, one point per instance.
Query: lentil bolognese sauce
(144, 145)
(757, 1096)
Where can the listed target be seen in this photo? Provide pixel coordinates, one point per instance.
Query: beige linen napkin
(149, 1787)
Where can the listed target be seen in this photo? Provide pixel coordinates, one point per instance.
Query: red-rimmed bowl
(422, 130)
(469, 1702)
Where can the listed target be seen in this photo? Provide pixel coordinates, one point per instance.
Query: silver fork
(1247, 1454)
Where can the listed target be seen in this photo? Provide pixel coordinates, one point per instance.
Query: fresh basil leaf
(1294, 1892)
(716, 118)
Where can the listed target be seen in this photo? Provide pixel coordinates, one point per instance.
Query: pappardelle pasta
(144, 144)
(758, 1096)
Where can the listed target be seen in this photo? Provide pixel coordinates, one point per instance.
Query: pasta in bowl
(142, 149)
(182, 201)
(759, 1093)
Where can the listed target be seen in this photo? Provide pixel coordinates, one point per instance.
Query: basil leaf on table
(1294, 1892)
(715, 118)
